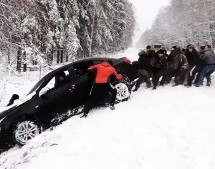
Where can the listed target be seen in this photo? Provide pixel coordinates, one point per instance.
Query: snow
(171, 127)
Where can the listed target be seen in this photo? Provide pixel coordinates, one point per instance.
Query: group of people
(187, 66)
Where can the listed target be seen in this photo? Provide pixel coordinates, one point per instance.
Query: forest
(34, 32)
(183, 22)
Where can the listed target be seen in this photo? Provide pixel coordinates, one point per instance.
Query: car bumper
(5, 141)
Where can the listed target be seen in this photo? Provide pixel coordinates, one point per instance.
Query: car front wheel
(25, 130)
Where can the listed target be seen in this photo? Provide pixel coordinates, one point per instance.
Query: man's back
(209, 57)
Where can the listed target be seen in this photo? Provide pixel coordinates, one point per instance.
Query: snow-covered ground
(167, 128)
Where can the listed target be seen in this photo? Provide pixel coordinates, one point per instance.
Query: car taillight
(127, 61)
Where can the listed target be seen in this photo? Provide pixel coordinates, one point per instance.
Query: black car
(49, 101)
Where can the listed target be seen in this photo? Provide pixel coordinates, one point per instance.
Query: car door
(83, 83)
(53, 100)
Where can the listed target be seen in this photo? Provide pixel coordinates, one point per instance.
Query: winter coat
(160, 63)
(103, 72)
(174, 60)
(208, 57)
(144, 61)
(183, 62)
(193, 58)
(177, 61)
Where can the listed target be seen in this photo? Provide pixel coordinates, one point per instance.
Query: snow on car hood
(17, 102)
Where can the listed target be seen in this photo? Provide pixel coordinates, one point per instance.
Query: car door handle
(72, 88)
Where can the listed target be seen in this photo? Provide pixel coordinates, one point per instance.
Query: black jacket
(193, 58)
(144, 61)
(160, 63)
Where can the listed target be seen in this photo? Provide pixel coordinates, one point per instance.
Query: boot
(112, 107)
(84, 115)
(208, 84)
(148, 84)
(208, 81)
(137, 86)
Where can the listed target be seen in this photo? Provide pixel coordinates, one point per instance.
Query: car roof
(48, 76)
(79, 61)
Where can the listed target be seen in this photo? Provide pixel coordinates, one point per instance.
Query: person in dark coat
(144, 67)
(194, 62)
(61, 79)
(102, 74)
(173, 63)
(159, 69)
(208, 59)
(178, 66)
(208, 78)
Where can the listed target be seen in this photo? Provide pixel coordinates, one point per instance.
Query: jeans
(206, 71)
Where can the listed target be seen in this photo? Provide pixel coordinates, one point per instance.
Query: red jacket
(104, 70)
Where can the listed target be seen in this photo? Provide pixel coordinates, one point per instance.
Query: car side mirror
(13, 98)
(44, 96)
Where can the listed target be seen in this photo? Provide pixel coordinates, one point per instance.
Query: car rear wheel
(126, 81)
(25, 130)
(123, 92)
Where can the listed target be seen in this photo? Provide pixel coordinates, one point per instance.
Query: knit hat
(202, 47)
(148, 47)
(161, 51)
(174, 47)
(190, 47)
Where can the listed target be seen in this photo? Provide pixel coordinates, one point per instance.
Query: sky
(146, 12)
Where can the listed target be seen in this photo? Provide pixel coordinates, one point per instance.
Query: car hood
(6, 111)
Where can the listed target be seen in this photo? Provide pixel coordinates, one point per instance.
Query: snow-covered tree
(66, 29)
(183, 22)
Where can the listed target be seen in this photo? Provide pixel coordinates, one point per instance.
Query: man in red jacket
(102, 73)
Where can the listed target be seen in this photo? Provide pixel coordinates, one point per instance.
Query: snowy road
(169, 128)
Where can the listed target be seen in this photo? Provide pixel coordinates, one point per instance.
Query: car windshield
(47, 82)
(37, 86)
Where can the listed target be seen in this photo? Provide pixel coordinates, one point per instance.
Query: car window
(82, 67)
(97, 61)
(62, 78)
(56, 81)
(50, 85)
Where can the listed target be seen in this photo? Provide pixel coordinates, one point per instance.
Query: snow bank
(171, 127)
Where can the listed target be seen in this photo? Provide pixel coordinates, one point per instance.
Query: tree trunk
(25, 62)
(50, 58)
(61, 55)
(19, 60)
(91, 35)
(58, 56)
(8, 55)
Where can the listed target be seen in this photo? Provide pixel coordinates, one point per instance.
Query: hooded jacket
(103, 72)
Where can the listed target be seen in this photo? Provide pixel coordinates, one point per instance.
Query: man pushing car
(105, 76)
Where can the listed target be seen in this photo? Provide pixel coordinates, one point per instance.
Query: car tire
(25, 130)
(126, 81)
(123, 92)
